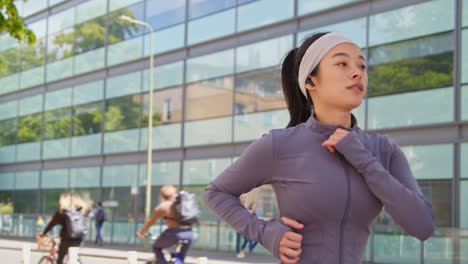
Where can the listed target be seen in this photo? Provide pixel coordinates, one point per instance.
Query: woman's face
(341, 81)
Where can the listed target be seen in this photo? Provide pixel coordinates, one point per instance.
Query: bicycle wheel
(46, 260)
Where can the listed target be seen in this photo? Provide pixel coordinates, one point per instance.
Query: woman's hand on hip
(290, 244)
(338, 135)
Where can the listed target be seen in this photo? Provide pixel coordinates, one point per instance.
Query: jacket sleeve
(53, 222)
(254, 168)
(396, 187)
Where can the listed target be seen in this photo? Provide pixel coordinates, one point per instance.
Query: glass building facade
(74, 107)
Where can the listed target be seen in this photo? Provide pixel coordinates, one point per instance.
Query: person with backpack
(99, 218)
(179, 211)
(71, 217)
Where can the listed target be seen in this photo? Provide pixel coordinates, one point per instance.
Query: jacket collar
(321, 128)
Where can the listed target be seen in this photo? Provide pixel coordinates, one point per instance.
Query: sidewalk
(120, 252)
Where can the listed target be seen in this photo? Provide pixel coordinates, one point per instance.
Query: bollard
(202, 260)
(132, 257)
(73, 255)
(26, 254)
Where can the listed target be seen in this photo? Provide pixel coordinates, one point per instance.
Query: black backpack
(75, 224)
(187, 209)
(100, 215)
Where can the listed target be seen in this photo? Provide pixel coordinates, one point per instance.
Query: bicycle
(170, 252)
(51, 245)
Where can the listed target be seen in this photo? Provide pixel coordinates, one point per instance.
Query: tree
(11, 22)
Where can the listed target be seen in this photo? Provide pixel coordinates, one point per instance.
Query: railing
(387, 243)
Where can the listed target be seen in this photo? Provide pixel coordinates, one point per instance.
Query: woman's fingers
(290, 244)
(286, 260)
(290, 252)
(292, 223)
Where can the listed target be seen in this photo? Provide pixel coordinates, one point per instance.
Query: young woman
(331, 179)
(74, 203)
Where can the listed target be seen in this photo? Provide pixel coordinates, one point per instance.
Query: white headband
(315, 54)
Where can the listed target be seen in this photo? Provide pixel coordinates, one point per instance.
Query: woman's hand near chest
(334, 138)
(290, 244)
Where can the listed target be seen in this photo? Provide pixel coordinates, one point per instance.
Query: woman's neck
(333, 117)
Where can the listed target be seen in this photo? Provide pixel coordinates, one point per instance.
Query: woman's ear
(310, 85)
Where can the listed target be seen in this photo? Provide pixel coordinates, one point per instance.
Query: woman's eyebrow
(347, 55)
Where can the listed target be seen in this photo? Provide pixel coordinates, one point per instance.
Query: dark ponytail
(298, 106)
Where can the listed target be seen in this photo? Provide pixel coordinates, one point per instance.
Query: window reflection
(209, 99)
(439, 195)
(200, 8)
(57, 123)
(161, 14)
(90, 35)
(60, 45)
(122, 112)
(120, 29)
(10, 62)
(7, 132)
(167, 106)
(258, 91)
(87, 119)
(29, 128)
(33, 56)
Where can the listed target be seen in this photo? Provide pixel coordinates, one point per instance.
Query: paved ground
(10, 252)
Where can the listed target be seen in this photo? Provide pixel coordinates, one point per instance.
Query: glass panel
(439, 194)
(430, 161)
(53, 149)
(198, 8)
(208, 99)
(309, 6)
(464, 201)
(414, 108)
(390, 248)
(464, 56)
(121, 141)
(32, 77)
(11, 61)
(355, 29)
(8, 42)
(88, 92)
(164, 136)
(59, 69)
(248, 16)
(58, 99)
(438, 250)
(253, 126)
(125, 201)
(89, 61)
(209, 66)
(258, 91)
(54, 2)
(211, 131)
(166, 39)
(29, 128)
(465, 13)
(8, 131)
(262, 54)
(164, 76)
(30, 105)
(28, 151)
(86, 145)
(27, 180)
(61, 20)
(120, 176)
(121, 29)
(57, 123)
(23, 204)
(123, 85)
(201, 172)
(167, 106)
(160, 14)
(8, 109)
(34, 7)
(7, 154)
(60, 45)
(53, 179)
(162, 173)
(9, 83)
(124, 51)
(90, 35)
(220, 24)
(90, 10)
(123, 112)
(7, 181)
(87, 119)
(411, 22)
(84, 177)
(116, 4)
(33, 56)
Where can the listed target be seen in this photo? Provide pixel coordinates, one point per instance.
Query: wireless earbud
(309, 81)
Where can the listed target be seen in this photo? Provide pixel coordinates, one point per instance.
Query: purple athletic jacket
(337, 196)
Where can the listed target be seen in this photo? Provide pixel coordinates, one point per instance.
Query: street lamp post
(150, 118)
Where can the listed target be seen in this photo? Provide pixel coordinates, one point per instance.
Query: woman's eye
(363, 67)
(343, 64)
